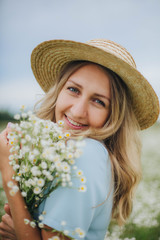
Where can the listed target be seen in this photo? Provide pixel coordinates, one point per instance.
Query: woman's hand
(4, 152)
(6, 225)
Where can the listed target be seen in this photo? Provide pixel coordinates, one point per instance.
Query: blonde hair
(120, 136)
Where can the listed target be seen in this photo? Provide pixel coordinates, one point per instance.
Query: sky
(25, 23)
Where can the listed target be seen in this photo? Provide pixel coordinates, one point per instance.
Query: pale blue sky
(25, 23)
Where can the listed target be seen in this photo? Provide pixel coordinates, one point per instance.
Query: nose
(79, 109)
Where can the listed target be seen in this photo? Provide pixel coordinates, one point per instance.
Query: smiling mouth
(76, 124)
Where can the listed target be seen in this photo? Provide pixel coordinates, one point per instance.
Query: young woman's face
(84, 101)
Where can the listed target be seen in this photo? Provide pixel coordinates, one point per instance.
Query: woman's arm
(17, 204)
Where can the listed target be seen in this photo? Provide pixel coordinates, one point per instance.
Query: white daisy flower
(69, 155)
(41, 217)
(15, 188)
(83, 179)
(72, 161)
(17, 178)
(80, 232)
(12, 192)
(40, 225)
(26, 221)
(44, 165)
(79, 173)
(17, 117)
(32, 224)
(37, 190)
(10, 184)
(55, 238)
(82, 188)
(66, 232)
(22, 107)
(60, 122)
(67, 134)
(24, 194)
(40, 182)
(11, 157)
(65, 167)
(24, 115)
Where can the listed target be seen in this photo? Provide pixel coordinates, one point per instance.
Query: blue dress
(80, 209)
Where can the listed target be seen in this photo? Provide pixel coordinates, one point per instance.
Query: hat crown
(113, 48)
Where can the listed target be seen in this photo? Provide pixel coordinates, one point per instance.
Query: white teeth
(73, 122)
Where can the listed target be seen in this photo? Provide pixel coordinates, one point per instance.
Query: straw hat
(49, 57)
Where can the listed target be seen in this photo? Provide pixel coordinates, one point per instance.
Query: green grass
(142, 233)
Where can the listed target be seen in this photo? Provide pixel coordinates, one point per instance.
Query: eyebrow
(96, 94)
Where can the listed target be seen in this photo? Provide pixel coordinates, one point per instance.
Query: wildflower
(79, 173)
(24, 194)
(82, 188)
(37, 190)
(67, 134)
(11, 157)
(26, 221)
(24, 115)
(41, 217)
(17, 178)
(83, 179)
(40, 225)
(44, 165)
(10, 184)
(72, 161)
(28, 138)
(66, 232)
(60, 122)
(12, 192)
(32, 224)
(11, 142)
(80, 232)
(17, 116)
(22, 107)
(40, 182)
(70, 155)
(15, 188)
(55, 238)
(65, 167)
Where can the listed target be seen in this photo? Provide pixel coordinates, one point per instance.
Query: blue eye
(73, 89)
(100, 102)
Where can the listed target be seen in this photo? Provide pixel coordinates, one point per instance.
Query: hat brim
(49, 57)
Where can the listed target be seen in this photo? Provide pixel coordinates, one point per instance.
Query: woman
(97, 91)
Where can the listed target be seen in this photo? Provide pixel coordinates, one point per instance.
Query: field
(144, 223)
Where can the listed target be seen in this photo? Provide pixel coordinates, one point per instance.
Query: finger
(7, 209)
(8, 128)
(7, 220)
(5, 236)
(4, 233)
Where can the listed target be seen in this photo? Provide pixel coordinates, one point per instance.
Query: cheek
(61, 104)
(99, 119)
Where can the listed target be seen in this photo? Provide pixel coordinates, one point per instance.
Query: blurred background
(133, 24)
(25, 23)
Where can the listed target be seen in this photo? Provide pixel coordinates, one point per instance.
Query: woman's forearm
(19, 212)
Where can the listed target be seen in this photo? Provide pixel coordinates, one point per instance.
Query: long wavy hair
(120, 135)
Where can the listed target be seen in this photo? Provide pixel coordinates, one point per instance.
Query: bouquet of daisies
(43, 158)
